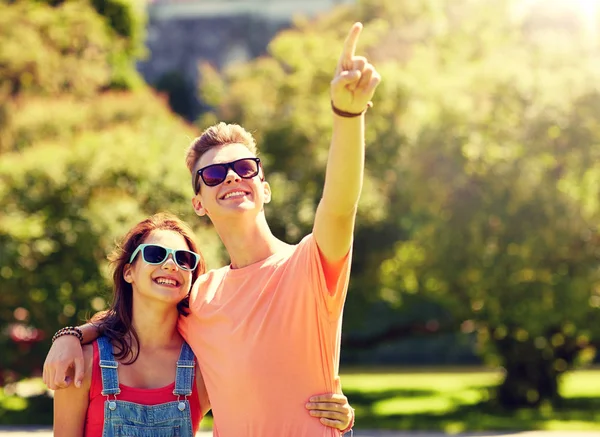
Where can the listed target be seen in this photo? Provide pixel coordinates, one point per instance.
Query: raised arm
(351, 90)
(65, 354)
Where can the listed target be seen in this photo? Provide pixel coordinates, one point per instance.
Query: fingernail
(78, 384)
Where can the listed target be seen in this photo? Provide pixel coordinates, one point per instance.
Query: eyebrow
(227, 161)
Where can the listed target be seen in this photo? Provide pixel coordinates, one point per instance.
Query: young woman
(140, 376)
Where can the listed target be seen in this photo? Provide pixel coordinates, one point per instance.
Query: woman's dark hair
(115, 323)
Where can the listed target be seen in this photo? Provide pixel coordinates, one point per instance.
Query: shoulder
(205, 280)
(308, 240)
(304, 247)
(290, 255)
(211, 275)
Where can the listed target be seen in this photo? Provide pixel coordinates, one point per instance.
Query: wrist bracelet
(68, 330)
(349, 114)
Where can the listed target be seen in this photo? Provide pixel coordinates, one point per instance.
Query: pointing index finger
(350, 43)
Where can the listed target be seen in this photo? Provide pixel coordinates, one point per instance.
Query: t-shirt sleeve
(333, 298)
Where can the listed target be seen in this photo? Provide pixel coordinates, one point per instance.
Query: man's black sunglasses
(214, 174)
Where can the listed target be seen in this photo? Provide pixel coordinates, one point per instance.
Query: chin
(239, 210)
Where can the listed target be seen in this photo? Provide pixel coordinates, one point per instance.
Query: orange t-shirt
(267, 337)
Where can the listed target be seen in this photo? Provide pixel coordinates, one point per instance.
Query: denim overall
(122, 418)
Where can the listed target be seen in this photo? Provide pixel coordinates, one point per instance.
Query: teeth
(166, 281)
(234, 193)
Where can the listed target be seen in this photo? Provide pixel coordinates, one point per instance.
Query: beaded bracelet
(68, 330)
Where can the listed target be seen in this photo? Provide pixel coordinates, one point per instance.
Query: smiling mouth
(234, 194)
(167, 281)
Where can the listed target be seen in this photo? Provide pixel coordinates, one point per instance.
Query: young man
(266, 329)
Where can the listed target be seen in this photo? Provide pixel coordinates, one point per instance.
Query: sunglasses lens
(185, 259)
(214, 175)
(154, 254)
(246, 168)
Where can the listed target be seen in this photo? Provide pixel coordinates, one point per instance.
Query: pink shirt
(267, 337)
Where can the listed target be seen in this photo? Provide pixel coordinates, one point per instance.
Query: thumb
(79, 371)
(346, 78)
(338, 384)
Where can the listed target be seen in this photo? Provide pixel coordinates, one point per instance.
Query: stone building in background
(183, 33)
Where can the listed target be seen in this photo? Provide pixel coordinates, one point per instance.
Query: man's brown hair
(218, 135)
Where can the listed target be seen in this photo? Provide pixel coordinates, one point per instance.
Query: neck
(248, 242)
(155, 323)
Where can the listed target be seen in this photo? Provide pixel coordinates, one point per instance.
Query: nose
(169, 263)
(232, 176)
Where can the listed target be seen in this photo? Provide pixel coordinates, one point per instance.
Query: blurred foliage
(78, 46)
(79, 165)
(481, 198)
(480, 206)
(454, 401)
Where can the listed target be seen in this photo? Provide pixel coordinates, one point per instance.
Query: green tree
(71, 46)
(79, 165)
(64, 208)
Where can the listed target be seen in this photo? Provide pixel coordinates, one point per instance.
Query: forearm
(90, 332)
(334, 221)
(345, 166)
(85, 333)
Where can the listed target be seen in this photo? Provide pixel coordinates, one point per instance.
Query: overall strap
(184, 378)
(108, 367)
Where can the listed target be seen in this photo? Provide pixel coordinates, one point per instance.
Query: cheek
(140, 273)
(188, 284)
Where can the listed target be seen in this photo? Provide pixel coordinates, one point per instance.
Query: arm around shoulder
(66, 353)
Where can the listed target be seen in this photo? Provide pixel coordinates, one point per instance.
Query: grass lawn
(458, 401)
(450, 401)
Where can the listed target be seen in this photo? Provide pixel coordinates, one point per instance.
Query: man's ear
(127, 273)
(198, 206)
(267, 192)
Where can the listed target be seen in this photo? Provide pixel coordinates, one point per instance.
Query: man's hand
(65, 353)
(355, 80)
(333, 410)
